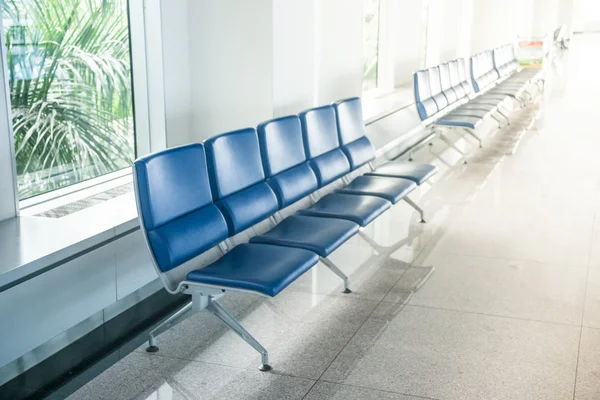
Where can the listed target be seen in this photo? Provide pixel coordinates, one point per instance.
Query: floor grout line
(381, 390)
(354, 334)
(488, 315)
(584, 303)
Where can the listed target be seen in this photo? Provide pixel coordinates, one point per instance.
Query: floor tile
(333, 391)
(591, 315)
(143, 377)
(511, 229)
(454, 355)
(588, 371)
(529, 290)
(302, 332)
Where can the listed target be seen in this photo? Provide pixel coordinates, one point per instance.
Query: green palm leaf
(70, 87)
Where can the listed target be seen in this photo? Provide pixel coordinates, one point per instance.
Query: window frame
(141, 112)
(373, 91)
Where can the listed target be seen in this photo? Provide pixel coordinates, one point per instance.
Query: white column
(293, 56)
(339, 49)
(8, 187)
(231, 64)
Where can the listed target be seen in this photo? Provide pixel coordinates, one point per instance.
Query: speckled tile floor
(496, 297)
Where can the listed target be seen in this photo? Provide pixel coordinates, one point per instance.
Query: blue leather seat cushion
(294, 184)
(470, 112)
(391, 189)
(359, 152)
(490, 108)
(416, 172)
(187, 237)
(248, 207)
(259, 268)
(460, 120)
(330, 166)
(317, 234)
(489, 98)
(359, 209)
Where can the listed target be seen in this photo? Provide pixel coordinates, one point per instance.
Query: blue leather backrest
(237, 176)
(176, 208)
(351, 127)
(451, 96)
(319, 130)
(281, 144)
(453, 71)
(321, 141)
(158, 173)
(464, 75)
(445, 77)
(422, 86)
(349, 117)
(434, 81)
(436, 88)
(455, 83)
(425, 104)
(234, 162)
(498, 58)
(284, 158)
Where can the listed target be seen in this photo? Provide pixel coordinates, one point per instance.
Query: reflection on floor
(496, 297)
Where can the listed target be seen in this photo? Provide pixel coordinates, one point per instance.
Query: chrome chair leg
(167, 324)
(215, 308)
(416, 207)
(336, 270)
(474, 136)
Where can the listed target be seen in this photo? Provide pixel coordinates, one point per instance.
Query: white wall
(451, 13)
(176, 64)
(586, 16)
(231, 64)
(339, 49)
(545, 18)
(498, 22)
(410, 48)
(294, 74)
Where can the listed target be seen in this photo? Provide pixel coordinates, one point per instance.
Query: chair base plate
(265, 367)
(152, 349)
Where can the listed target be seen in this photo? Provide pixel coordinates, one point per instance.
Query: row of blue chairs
(216, 216)
(456, 96)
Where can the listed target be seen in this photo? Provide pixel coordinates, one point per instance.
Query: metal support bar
(504, 115)
(167, 324)
(215, 308)
(416, 207)
(475, 136)
(376, 247)
(336, 270)
(452, 146)
(500, 124)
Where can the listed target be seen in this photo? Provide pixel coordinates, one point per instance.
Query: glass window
(70, 85)
(370, 44)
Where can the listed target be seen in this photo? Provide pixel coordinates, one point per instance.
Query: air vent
(82, 204)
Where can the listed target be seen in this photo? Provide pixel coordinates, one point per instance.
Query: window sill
(30, 245)
(377, 105)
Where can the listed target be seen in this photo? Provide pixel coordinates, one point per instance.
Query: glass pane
(69, 74)
(370, 44)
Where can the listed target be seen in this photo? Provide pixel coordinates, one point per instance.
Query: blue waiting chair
(187, 233)
(246, 198)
